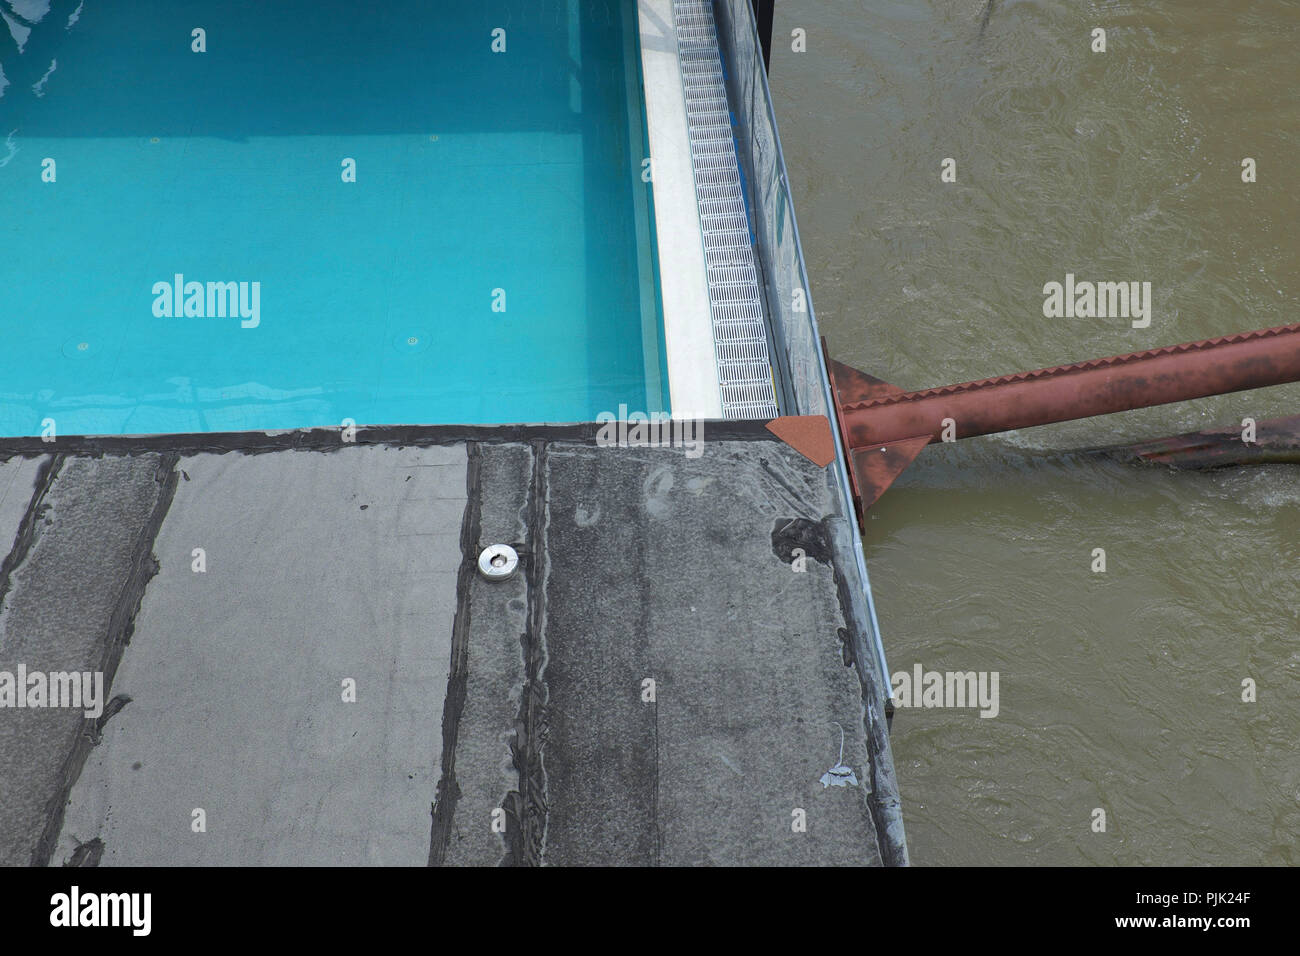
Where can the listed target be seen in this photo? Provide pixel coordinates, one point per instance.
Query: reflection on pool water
(306, 213)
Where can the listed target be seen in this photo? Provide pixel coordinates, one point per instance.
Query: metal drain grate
(735, 300)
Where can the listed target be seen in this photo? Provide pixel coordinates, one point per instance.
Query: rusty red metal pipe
(1175, 373)
(884, 428)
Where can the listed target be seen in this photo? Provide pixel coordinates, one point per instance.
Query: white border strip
(683, 277)
(656, 380)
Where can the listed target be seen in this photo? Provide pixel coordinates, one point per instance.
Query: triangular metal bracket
(875, 468)
(809, 435)
(871, 470)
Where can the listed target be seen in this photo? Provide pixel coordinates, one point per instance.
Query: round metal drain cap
(498, 562)
(80, 348)
(412, 341)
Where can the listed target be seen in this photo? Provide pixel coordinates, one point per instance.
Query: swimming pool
(400, 214)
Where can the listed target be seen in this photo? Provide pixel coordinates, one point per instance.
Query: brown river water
(1120, 690)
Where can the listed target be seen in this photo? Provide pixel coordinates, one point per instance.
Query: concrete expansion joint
(117, 634)
(527, 807)
(29, 526)
(448, 792)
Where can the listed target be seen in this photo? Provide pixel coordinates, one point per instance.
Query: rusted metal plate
(878, 466)
(809, 435)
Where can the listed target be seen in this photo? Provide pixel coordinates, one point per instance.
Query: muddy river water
(1120, 690)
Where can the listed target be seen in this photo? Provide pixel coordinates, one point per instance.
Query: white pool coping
(683, 278)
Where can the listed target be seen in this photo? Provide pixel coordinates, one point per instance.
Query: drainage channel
(735, 299)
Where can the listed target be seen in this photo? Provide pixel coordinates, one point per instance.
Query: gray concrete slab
(320, 567)
(68, 609)
(17, 483)
(324, 562)
(660, 566)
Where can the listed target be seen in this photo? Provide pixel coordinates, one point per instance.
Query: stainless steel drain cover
(498, 562)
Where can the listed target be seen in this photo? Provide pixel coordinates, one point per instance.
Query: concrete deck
(494, 722)
(683, 276)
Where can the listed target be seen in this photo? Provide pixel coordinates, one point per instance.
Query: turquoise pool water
(492, 262)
